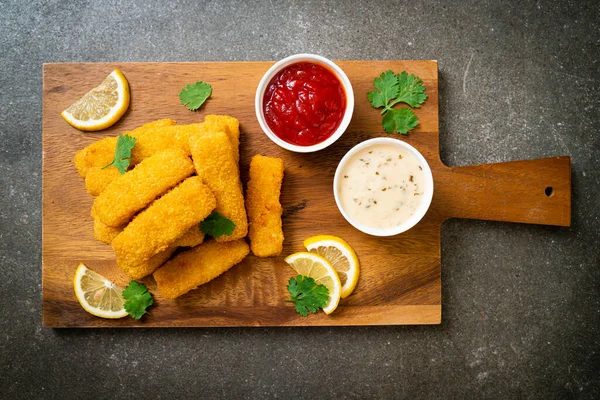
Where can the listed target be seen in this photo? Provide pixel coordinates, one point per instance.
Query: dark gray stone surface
(521, 311)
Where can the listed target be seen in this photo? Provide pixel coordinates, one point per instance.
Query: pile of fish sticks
(179, 175)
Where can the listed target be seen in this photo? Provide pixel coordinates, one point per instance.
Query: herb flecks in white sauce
(381, 186)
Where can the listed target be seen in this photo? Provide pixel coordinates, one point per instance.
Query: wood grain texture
(400, 281)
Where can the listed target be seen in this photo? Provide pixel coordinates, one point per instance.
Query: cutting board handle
(533, 191)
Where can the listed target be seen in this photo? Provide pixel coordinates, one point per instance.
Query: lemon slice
(318, 268)
(97, 295)
(102, 106)
(341, 257)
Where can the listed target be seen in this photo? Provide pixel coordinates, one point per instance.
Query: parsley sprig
(137, 299)
(125, 144)
(194, 95)
(391, 89)
(307, 295)
(216, 225)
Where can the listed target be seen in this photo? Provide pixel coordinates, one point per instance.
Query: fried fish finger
(103, 233)
(102, 152)
(227, 124)
(146, 145)
(134, 190)
(214, 162)
(97, 179)
(165, 220)
(197, 266)
(106, 234)
(263, 206)
(170, 137)
(193, 237)
(147, 267)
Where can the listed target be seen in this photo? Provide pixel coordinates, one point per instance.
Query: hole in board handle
(549, 191)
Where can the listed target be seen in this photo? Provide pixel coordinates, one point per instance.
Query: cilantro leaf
(194, 95)
(216, 225)
(401, 121)
(121, 161)
(386, 89)
(411, 90)
(391, 89)
(307, 295)
(137, 299)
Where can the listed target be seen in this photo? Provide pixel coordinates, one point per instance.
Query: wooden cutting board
(400, 281)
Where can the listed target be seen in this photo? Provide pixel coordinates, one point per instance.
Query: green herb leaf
(216, 225)
(391, 89)
(307, 295)
(401, 121)
(386, 89)
(411, 90)
(121, 161)
(137, 299)
(194, 95)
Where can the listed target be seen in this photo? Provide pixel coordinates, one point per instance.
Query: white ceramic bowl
(274, 70)
(425, 198)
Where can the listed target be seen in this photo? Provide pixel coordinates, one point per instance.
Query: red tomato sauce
(304, 104)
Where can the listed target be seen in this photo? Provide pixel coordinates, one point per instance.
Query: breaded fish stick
(178, 136)
(263, 206)
(193, 237)
(103, 233)
(147, 267)
(154, 137)
(214, 162)
(102, 152)
(165, 220)
(97, 179)
(170, 137)
(227, 124)
(167, 137)
(134, 190)
(106, 234)
(151, 142)
(197, 266)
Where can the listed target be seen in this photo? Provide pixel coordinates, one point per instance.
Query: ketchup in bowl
(304, 104)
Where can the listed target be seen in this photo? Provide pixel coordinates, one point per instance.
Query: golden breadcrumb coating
(97, 179)
(214, 162)
(165, 220)
(197, 266)
(227, 124)
(151, 142)
(193, 237)
(135, 189)
(103, 233)
(106, 234)
(102, 152)
(147, 267)
(97, 154)
(263, 206)
(169, 137)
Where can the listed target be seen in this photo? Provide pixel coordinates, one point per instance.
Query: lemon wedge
(341, 257)
(97, 295)
(318, 268)
(102, 106)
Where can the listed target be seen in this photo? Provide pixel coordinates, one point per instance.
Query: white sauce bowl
(423, 205)
(274, 70)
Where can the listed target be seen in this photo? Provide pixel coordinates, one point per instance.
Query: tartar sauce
(381, 186)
